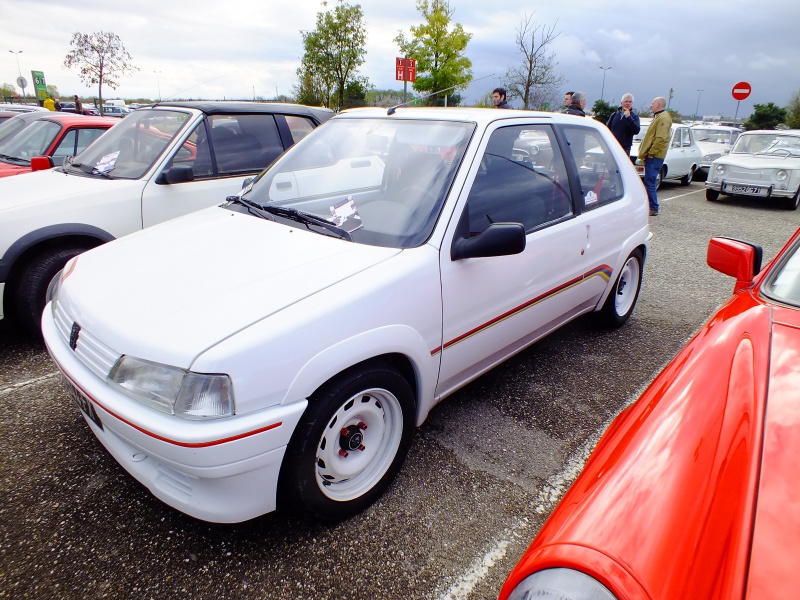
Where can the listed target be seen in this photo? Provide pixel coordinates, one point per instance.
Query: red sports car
(693, 492)
(53, 135)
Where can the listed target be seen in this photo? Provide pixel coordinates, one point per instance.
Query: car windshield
(34, 140)
(719, 136)
(770, 143)
(10, 127)
(783, 284)
(128, 150)
(382, 180)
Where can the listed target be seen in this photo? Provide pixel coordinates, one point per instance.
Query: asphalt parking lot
(483, 473)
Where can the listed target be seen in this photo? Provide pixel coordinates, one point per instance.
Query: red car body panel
(693, 490)
(68, 122)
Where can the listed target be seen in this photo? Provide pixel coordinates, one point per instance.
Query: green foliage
(603, 110)
(333, 53)
(439, 51)
(52, 91)
(766, 116)
(8, 91)
(676, 116)
(793, 112)
(387, 98)
(100, 58)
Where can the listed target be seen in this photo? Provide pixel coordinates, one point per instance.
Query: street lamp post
(21, 81)
(603, 89)
(697, 109)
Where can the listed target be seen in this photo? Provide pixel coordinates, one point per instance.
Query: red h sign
(405, 69)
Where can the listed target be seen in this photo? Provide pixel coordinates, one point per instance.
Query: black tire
(687, 179)
(331, 476)
(30, 288)
(712, 195)
(793, 202)
(621, 301)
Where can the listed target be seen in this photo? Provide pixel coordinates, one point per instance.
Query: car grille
(749, 174)
(93, 353)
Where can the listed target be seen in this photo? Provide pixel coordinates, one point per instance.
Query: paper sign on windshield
(107, 163)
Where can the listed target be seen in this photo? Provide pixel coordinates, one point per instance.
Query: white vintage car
(763, 164)
(713, 141)
(683, 155)
(279, 350)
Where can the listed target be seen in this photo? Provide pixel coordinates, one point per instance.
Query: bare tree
(100, 58)
(535, 79)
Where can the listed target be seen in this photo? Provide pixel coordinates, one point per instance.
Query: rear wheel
(621, 301)
(33, 281)
(712, 195)
(687, 179)
(350, 443)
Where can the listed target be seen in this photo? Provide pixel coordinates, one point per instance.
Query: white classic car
(279, 350)
(154, 165)
(683, 155)
(714, 141)
(763, 164)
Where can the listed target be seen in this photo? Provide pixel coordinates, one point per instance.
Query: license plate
(750, 190)
(87, 408)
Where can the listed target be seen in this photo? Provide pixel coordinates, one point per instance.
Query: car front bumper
(221, 470)
(745, 188)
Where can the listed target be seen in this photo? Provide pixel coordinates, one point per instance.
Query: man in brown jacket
(653, 149)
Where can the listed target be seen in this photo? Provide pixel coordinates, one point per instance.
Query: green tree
(100, 58)
(766, 116)
(676, 116)
(439, 51)
(534, 79)
(52, 91)
(793, 112)
(8, 91)
(603, 110)
(333, 53)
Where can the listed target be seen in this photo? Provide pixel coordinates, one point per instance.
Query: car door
(222, 151)
(494, 306)
(679, 159)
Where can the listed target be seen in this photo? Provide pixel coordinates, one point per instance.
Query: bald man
(653, 150)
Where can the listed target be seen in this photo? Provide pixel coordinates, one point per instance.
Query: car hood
(7, 169)
(712, 147)
(169, 292)
(751, 161)
(50, 185)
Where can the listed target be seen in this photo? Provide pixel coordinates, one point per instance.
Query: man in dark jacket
(624, 123)
(499, 98)
(577, 105)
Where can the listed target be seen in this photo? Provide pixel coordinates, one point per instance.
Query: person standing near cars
(578, 104)
(653, 149)
(624, 123)
(499, 98)
(49, 104)
(78, 105)
(567, 101)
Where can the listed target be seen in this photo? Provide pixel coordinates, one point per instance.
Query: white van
(117, 102)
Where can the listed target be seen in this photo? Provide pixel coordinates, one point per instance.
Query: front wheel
(619, 305)
(350, 443)
(793, 202)
(712, 195)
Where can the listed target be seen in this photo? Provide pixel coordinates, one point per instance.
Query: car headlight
(781, 175)
(560, 584)
(172, 390)
(711, 157)
(533, 149)
(719, 169)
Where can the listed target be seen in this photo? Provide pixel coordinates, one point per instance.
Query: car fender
(391, 339)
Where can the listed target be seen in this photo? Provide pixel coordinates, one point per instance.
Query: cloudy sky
(242, 49)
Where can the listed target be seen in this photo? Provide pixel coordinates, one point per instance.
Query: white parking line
(16, 386)
(681, 195)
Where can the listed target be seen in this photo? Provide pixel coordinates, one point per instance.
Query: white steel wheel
(621, 300)
(350, 443)
(359, 444)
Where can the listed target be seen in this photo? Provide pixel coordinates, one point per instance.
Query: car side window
(300, 127)
(521, 179)
(687, 138)
(598, 172)
(75, 141)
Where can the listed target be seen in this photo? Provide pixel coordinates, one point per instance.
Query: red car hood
(774, 571)
(699, 468)
(7, 169)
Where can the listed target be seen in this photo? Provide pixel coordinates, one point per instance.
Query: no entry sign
(741, 90)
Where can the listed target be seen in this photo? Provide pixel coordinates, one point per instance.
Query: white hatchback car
(683, 155)
(279, 350)
(155, 164)
(763, 164)
(714, 141)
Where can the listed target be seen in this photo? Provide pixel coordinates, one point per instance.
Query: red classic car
(52, 135)
(693, 490)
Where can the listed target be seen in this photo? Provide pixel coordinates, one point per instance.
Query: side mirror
(735, 258)
(499, 239)
(178, 174)
(41, 163)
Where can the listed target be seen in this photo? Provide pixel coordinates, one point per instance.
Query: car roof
(234, 107)
(67, 118)
(793, 132)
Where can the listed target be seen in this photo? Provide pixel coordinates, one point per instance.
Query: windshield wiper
(14, 159)
(292, 214)
(252, 207)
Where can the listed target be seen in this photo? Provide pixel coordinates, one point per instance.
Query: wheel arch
(399, 345)
(624, 256)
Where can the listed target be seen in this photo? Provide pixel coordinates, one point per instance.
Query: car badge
(73, 335)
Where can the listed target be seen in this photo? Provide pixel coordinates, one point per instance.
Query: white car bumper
(222, 470)
(744, 188)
